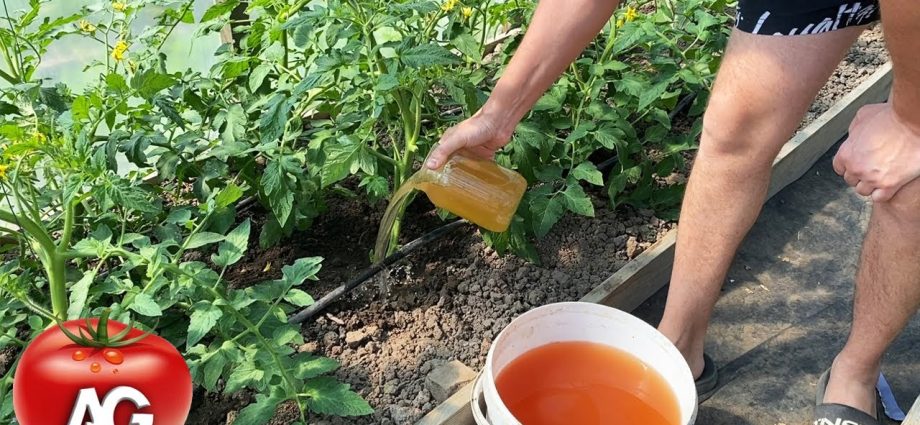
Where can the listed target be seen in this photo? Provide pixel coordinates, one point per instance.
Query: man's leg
(763, 89)
(887, 297)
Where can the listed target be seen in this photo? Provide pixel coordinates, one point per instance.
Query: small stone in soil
(443, 381)
(632, 247)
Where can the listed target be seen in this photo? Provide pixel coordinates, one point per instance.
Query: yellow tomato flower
(86, 27)
(631, 14)
(119, 6)
(467, 12)
(118, 53)
(449, 5)
(39, 137)
(3, 168)
(620, 23)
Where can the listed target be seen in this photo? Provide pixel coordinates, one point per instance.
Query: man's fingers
(851, 179)
(838, 164)
(883, 195)
(865, 189)
(450, 143)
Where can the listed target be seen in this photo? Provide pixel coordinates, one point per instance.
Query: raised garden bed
(447, 302)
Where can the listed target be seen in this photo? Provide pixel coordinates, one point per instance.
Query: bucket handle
(478, 415)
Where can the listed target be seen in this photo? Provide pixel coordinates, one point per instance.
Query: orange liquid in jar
(585, 383)
(480, 191)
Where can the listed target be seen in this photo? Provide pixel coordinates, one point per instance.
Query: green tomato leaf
(80, 108)
(546, 212)
(201, 239)
(145, 305)
(427, 55)
(116, 82)
(219, 9)
(233, 247)
(330, 397)
(213, 369)
(244, 374)
(203, 318)
(274, 118)
(281, 203)
(166, 105)
(469, 46)
(311, 367)
(258, 76)
(577, 201)
(339, 160)
(261, 411)
(609, 136)
(149, 82)
(302, 34)
(301, 270)
(234, 120)
(228, 195)
(271, 232)
(78, 294)
(651, 94)
(299, 298)
(588, 172)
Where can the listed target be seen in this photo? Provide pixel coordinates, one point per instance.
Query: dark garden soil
(449, 299)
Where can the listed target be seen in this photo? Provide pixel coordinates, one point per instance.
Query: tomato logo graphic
(102, 372)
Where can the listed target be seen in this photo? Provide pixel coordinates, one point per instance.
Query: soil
(867, 55)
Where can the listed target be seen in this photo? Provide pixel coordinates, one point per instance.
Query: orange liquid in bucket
(585, 383)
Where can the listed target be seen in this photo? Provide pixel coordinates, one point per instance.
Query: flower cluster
(119, 6)
(118, 52)
(86, 27)
(630, 15)
(449, 5)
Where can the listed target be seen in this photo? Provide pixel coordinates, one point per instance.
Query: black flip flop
(833, 413)
(708, 381)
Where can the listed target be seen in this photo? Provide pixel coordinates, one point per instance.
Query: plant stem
(182, 13)
(68, 227)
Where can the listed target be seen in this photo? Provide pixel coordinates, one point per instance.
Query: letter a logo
(104, 413)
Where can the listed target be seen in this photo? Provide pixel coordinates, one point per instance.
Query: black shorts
(801, 17)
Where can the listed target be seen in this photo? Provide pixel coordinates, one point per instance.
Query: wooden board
(650, 271)
(913, 416)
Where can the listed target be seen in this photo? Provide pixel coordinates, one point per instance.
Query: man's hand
(881, 154)
(479, 137)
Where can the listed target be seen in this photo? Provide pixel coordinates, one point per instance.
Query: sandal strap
(839, 414)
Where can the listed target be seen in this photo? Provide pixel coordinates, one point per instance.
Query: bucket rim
(666, 344)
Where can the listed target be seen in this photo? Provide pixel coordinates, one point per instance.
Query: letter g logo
(104, 413)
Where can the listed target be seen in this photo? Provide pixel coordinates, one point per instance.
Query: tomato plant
(126, 193)
(59, 366)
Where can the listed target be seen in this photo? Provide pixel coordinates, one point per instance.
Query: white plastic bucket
(578, 321)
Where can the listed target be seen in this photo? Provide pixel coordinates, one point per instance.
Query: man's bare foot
(852, 385)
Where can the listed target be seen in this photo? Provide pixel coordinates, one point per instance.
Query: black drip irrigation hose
(369, 272)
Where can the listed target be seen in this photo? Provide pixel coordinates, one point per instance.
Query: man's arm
(559, 32)
(882, 153)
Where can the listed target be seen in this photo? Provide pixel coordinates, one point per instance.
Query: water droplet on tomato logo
(113, 356)
(79, 355)
(95, 367)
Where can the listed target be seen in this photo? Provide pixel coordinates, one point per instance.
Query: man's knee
(733, 129)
